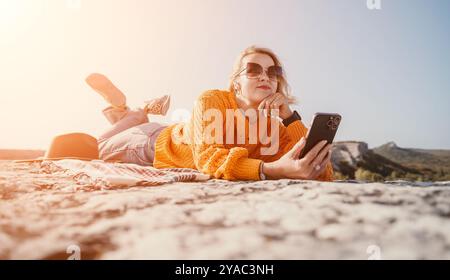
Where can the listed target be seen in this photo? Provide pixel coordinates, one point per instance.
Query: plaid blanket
(107, 175)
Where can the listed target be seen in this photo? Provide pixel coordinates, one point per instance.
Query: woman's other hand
(276, 101)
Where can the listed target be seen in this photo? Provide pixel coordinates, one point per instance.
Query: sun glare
(10, 11)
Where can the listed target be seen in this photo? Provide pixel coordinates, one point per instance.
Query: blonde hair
(283, 86)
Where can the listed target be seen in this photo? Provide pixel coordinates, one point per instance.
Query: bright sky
(386, 71)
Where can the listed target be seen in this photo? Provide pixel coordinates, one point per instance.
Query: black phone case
(324, 127)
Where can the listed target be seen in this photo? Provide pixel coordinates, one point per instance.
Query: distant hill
(417, 158)
(353, 159)
(425, 161)
(20, 154)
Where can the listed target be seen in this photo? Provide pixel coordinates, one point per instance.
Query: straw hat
(79, 146)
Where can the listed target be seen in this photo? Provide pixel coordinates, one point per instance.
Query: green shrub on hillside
(366, 175)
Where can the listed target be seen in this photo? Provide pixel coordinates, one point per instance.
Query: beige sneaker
(157, 106)
(101, 84)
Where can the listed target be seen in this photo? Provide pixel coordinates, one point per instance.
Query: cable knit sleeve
(213, 158)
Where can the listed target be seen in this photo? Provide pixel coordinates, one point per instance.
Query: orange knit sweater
(175, 145)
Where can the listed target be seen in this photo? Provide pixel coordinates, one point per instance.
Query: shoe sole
(102, 85)
(165, 106)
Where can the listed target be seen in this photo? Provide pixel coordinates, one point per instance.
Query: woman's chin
(262, 92)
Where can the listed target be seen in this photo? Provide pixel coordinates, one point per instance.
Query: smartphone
(324, 127)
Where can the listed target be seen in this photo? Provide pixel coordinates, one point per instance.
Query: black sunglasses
(254, 71)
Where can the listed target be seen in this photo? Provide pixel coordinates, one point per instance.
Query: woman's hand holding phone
(307, 168)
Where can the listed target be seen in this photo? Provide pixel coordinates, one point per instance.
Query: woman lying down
(247, 132)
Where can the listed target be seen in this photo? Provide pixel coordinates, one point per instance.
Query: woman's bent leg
(122, 119)
(133, 145)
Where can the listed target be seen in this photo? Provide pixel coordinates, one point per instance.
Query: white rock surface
(41, 216)
(349, 152)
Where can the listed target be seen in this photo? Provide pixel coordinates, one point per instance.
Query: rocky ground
(51, 217)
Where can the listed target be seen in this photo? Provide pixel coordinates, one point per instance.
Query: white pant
(132, 137)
